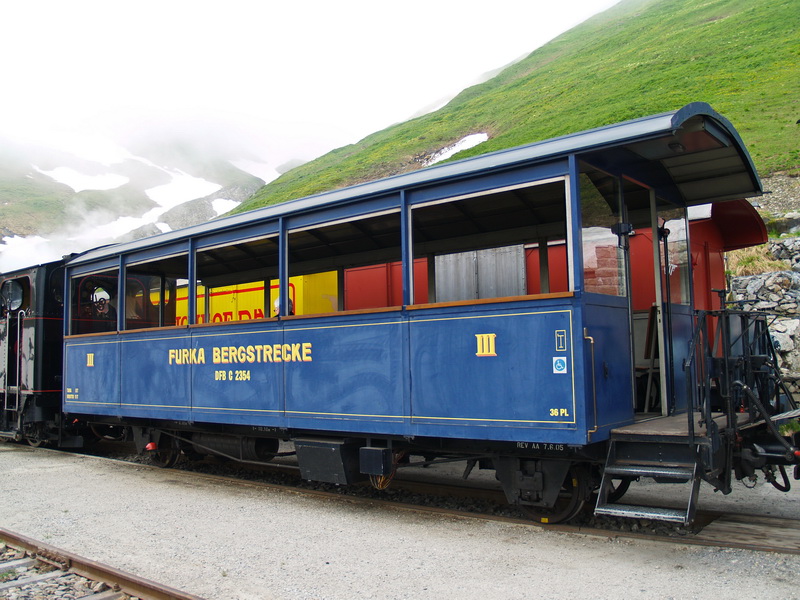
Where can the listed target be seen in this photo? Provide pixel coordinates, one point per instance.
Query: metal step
(628, 511)
(682, 473)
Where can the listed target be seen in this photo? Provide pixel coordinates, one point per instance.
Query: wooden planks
(753, 533)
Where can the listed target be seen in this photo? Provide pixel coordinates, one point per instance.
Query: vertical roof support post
(406, 249)
(283, 268)
(121, 275)
(191, 273)
(574, 242)
(67, 324)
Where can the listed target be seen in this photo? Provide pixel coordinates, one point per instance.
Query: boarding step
(630, 461)
(683, 473)
(654, 513)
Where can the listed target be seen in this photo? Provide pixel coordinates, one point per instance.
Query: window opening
(508, 243)
(603, 260)
(675, 256)
(13, 294)
(94, 302)
(233, 281)
(152, 296)
(347, 265)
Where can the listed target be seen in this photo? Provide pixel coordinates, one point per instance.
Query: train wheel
(167, 454)
(35, 442)
(618, 488)
(111, 433)
(571, 499)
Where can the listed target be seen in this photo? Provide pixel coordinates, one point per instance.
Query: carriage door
(661, 299)
(13, 293)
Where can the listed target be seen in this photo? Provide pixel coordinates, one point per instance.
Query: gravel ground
(236, 541)
(781, 194)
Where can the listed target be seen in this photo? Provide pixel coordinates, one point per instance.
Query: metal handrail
(702, 405)
(20, 319)
(5, 361)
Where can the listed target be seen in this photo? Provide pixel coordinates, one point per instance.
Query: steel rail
(128, 583)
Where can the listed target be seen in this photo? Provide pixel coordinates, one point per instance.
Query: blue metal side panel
(504, 372)
(682, 331)
(155, 373)
(354, 378)
(91, 376)
(609, 401)
(240, 377)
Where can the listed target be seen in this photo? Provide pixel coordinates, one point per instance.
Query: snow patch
(223, 205)
(465, 143)
(79, 182)
(182, 188)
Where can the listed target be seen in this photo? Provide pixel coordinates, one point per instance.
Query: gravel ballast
(240, 541)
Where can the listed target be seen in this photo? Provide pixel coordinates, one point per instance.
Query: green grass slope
(641, 57)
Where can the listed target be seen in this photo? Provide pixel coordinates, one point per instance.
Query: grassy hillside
(639, 58)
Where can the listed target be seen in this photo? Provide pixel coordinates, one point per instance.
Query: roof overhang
(739, 224)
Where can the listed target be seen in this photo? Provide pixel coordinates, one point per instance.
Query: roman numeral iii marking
(486, 344)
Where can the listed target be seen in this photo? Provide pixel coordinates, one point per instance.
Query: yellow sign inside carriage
(309, 294)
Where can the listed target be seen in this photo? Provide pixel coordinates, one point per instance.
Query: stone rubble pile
(778, 293)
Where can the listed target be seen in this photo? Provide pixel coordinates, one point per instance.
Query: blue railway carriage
(508, 339)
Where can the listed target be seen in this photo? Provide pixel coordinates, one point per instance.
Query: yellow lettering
(215, 355)
(251, 354)
(276, 352)
(307, 352)
(296, 353)
(90, 359)
(241, 354)
(268, 353)
(286, 350)
(172, 353)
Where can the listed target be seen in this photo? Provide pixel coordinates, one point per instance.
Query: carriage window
(507, 243)
(344, 266)
(151, 292)
(233, 281)
(603, 259)
(674, 250)
(94, 302)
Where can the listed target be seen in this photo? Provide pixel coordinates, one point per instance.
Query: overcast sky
(289, 79)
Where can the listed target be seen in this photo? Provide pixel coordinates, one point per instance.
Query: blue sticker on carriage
(559, 365)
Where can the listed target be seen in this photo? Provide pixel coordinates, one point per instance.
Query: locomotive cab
(31, 350)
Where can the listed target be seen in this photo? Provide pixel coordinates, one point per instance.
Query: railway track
(33, 569)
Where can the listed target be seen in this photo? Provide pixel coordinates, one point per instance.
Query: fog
(259, 84)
